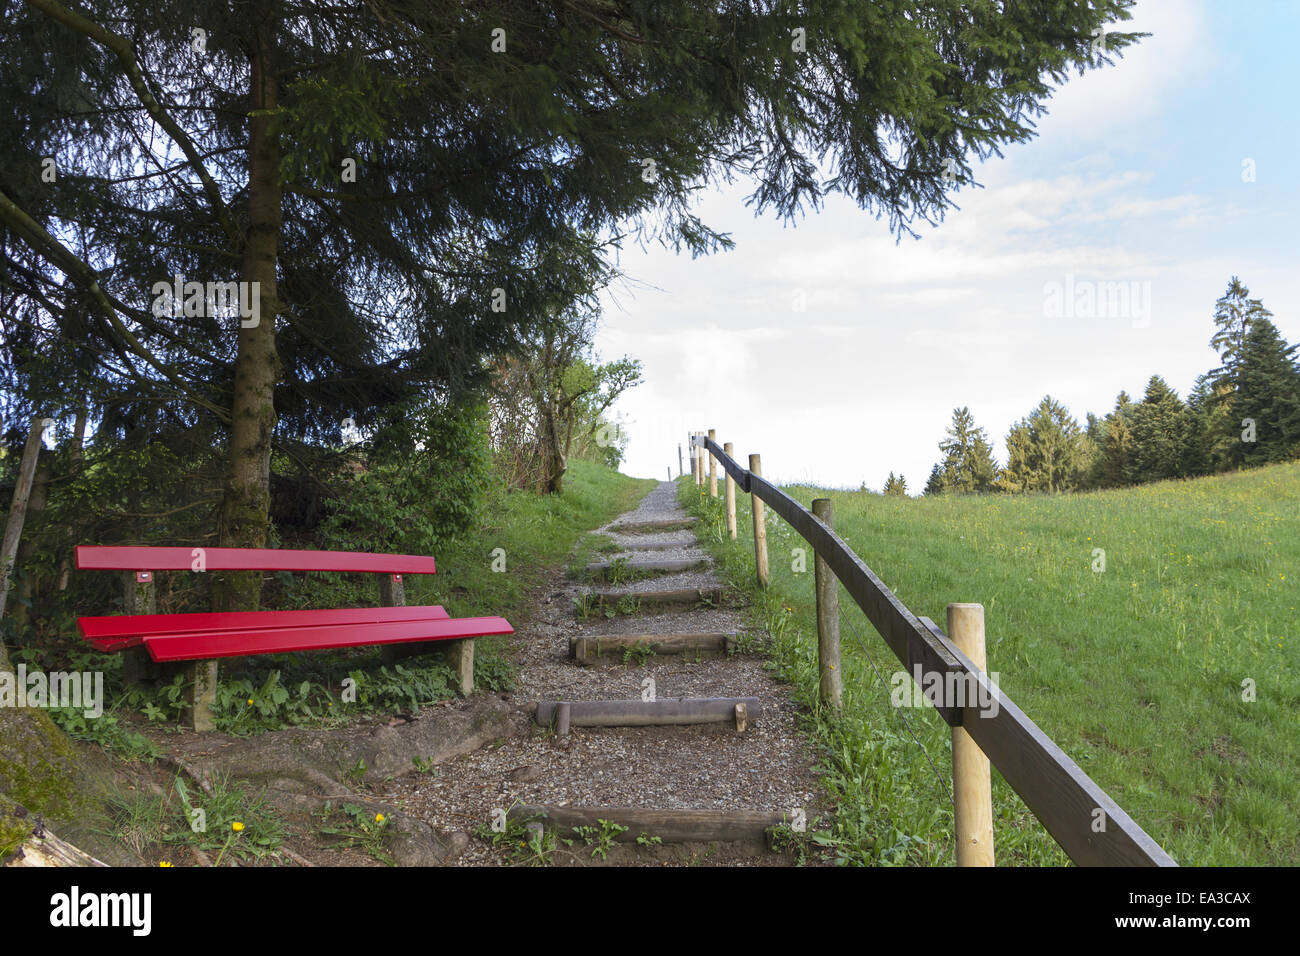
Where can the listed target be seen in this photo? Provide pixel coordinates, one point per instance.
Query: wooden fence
(1087, 823)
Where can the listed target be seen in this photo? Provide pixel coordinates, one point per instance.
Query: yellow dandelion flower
(379, 818)
(250, 702)
(164, 863)
(237, 826)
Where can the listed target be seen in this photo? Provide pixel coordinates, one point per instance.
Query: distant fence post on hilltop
(730, 497)
(830, 684)
(713, 468)
(704, 471)
(972, 788)
(760, 526)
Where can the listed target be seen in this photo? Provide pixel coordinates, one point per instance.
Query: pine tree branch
(63, 258)
(121, 47)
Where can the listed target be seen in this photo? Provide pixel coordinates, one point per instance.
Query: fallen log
(48, 850)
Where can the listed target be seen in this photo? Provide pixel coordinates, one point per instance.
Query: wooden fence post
(760, 526)
(830, 685)
(730, 496)
(680, 470)
(701, 481)
(18, 509)
(713, 467)
(971, 785)
(695, 461)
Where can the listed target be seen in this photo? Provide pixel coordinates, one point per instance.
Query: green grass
(1136, 671)
(537, 533)
(185, 816)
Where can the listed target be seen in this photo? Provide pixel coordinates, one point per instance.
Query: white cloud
(1104, 102)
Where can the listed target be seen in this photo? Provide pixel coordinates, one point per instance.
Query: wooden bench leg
(139, 668)
(200, 695)
(390, 654)
(460, 655)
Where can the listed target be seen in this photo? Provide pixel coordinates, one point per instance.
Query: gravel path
(768, 767)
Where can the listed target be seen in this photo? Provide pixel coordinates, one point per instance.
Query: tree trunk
(555, 463)
(18, 510)
(27, 545)
(246, 508)
(74, 463)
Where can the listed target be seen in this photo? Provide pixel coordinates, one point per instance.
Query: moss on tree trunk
(40, 770)
(45, 774)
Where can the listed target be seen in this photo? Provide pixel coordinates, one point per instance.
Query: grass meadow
(1141, 672)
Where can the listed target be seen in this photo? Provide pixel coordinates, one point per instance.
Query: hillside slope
(1143, 672)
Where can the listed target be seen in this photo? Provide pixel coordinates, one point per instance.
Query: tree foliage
(968, 465)
(1045, 451)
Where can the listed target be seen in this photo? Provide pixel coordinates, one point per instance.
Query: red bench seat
(128, 630)
(213, 644)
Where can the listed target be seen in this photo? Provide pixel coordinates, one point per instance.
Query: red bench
(204, 637)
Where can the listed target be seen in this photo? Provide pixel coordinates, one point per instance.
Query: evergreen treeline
(1245, 412)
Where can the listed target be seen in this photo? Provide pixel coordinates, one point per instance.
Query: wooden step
(651, 600)
(651, 713)
(639, 548)
(670, 826)
(650, 527)
(671, 566)
(610, 648)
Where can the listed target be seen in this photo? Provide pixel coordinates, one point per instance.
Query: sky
(1150, 183)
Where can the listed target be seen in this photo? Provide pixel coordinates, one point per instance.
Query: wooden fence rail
(1091, 828)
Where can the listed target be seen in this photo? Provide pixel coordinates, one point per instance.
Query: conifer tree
(968, 465)
(1268, 396)
(1160, 434)
(1215, 404)
(1114, 465)
(1044, 451)
(1234, 314)
(934, 484)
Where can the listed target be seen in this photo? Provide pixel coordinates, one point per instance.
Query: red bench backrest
(97, 558)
